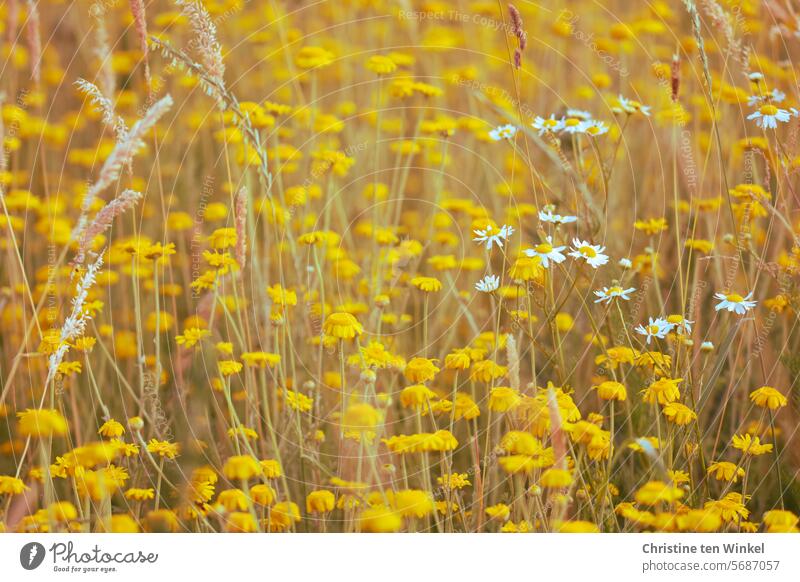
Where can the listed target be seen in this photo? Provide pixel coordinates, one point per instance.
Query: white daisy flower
(631, 106)
(609, 294)
(579, 113)
(547, 252)
(774, 96)
(546, 215)
(625, 263)
(594, 127)
(681, 323)
(488, 284)
(573, 125)
(503, 132)
(768, 116)
(658, 327)
(735, 303)
(593, 254)
(490, 237)
(551, 124)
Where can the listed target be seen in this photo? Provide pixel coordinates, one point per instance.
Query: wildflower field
(399, 266)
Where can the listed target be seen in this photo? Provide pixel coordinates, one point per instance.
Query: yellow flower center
(614, 290)
(768, 110)
(544, 248)
(735, 298)
(653, 329)
(587, 251)
(572, 122)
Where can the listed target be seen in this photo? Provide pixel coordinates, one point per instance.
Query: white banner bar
(400, 557)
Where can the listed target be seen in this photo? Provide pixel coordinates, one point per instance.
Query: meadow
(399, 266)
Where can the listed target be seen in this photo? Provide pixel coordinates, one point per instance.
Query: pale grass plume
(519, 32)
(140, 22)
(241, 228)
(205, 32)
(12, 20)
(75, 323)
(721, 20)
(121, 156)
(104, 106)
(512, 355)
(34, 39)
(105, 218)
(103, 53)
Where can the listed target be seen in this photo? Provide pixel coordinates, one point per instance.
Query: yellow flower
(272, 468)
(725, 471)
(499, 512)
(729, 508)
(678, 413)
(123, 523)
(381, 65)
(361, 417)
(412, 503)
(242, 468)
(556, 478)
(768, 397)
(651, 226)
(42, 423)
(240, 522)
(262, 494)
(610, 390)
(578, 526)
(654, 492)
(342, 326)
(699, 520)
(417, 396)
(427, 284)
(111, 429)
(298, 401)
(229, 367)
(750, 445)
(283, 515)
(162, 521)
(260, 359)
(380, 519)
(135, 494)
(503, 399)
(454, 481)
(420, 370)
(163, 448)
(310, 57)
(322, 501)
(780, 520)
(11, 485)
(223, 238)
(191, 336)
(458, 359)
(663, 391)
(487, 371)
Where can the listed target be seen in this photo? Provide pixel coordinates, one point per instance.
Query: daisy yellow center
(768, 110)
(652, 329)
(615, 291)
(544, 248)
(550, 123)
(587, 251)
(735, 298)
(572, 122)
